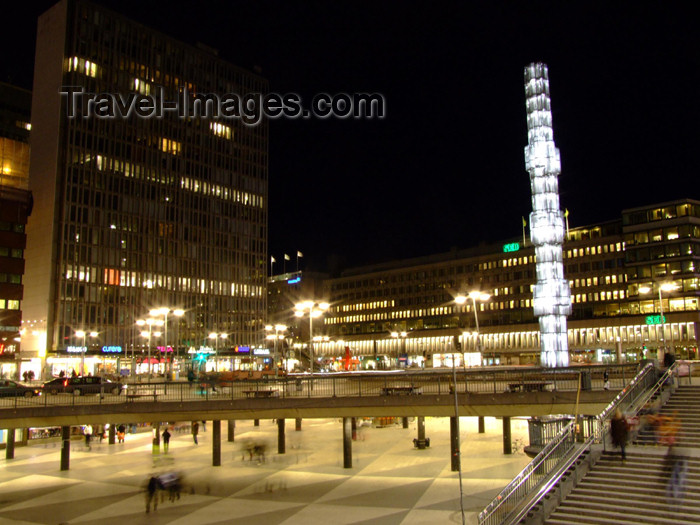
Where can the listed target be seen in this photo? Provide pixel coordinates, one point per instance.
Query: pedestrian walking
(619, 431)
(88, 435)
(195, 431)
(151, 494)
(606, 380)
(121, 432)
(166, 440)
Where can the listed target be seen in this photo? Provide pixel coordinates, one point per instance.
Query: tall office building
(138, 213)
(15, 207)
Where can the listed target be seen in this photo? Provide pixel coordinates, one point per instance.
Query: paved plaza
(390, 481)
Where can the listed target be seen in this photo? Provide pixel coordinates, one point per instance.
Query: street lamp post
(475, 296)
(83, 349)
(150, 322)
(663, 287)
(216, 336)
(278, 328)
(314, 310)
(164, 311)
(399, 346)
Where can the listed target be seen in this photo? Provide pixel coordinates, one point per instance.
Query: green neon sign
(512, 247)
(655, 319)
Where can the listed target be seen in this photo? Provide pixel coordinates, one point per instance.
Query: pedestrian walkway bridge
(498, 391)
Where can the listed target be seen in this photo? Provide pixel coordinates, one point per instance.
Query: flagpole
(566, 216)
(524, 224)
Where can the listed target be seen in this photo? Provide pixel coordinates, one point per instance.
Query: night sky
(445, 168)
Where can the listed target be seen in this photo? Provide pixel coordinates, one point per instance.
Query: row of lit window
(185, 284)
(129, 169)
(9, 304)
(364, 306)
(510, 289)
(513, 261)
(599, 296)
(81, 65)
(595, 250)
(594, 281)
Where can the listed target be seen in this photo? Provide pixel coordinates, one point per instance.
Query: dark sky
(445, 168)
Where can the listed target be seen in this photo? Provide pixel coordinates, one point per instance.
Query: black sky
(445, 168)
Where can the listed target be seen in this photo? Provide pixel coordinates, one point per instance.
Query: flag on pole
(524, 224)
(272, 259)
(566, 216)
(299, 254)
(287, 258)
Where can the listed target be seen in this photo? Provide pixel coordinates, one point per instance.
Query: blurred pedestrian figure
(195, 431)
(166, 440)
(204, 426)
(619, 431)
(606, 380)
(121, 432)
(190, 377)
(676, 483)
(151, 494)
(88, 434)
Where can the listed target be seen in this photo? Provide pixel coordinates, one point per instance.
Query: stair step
(624, 514)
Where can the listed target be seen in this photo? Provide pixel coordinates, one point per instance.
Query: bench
(130, 398)
(399, 390)
(530, 386)
(261, 393)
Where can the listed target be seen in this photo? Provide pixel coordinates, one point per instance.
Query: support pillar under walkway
(216, 443)
(507, 441)
(281, 444)
(10, 445)
(65, 448)
(347, 442)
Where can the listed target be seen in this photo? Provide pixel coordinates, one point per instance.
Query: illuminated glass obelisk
(552, 297)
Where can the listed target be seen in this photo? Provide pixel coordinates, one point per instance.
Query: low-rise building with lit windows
(608, 266)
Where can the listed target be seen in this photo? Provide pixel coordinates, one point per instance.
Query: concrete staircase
(684, 404)
(634, 491)
(639, 490)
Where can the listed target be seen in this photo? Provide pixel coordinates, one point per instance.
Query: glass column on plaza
(552, 296)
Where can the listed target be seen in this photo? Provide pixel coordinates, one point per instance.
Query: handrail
(470, 381)
(514, 497)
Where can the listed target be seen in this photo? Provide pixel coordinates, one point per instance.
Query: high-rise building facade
(614, 270)
(15, 208)
(136, 213)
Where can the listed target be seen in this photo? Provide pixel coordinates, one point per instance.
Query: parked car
(82, 385)
(9, 388)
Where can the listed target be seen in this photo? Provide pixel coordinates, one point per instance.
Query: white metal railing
(547, 468)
